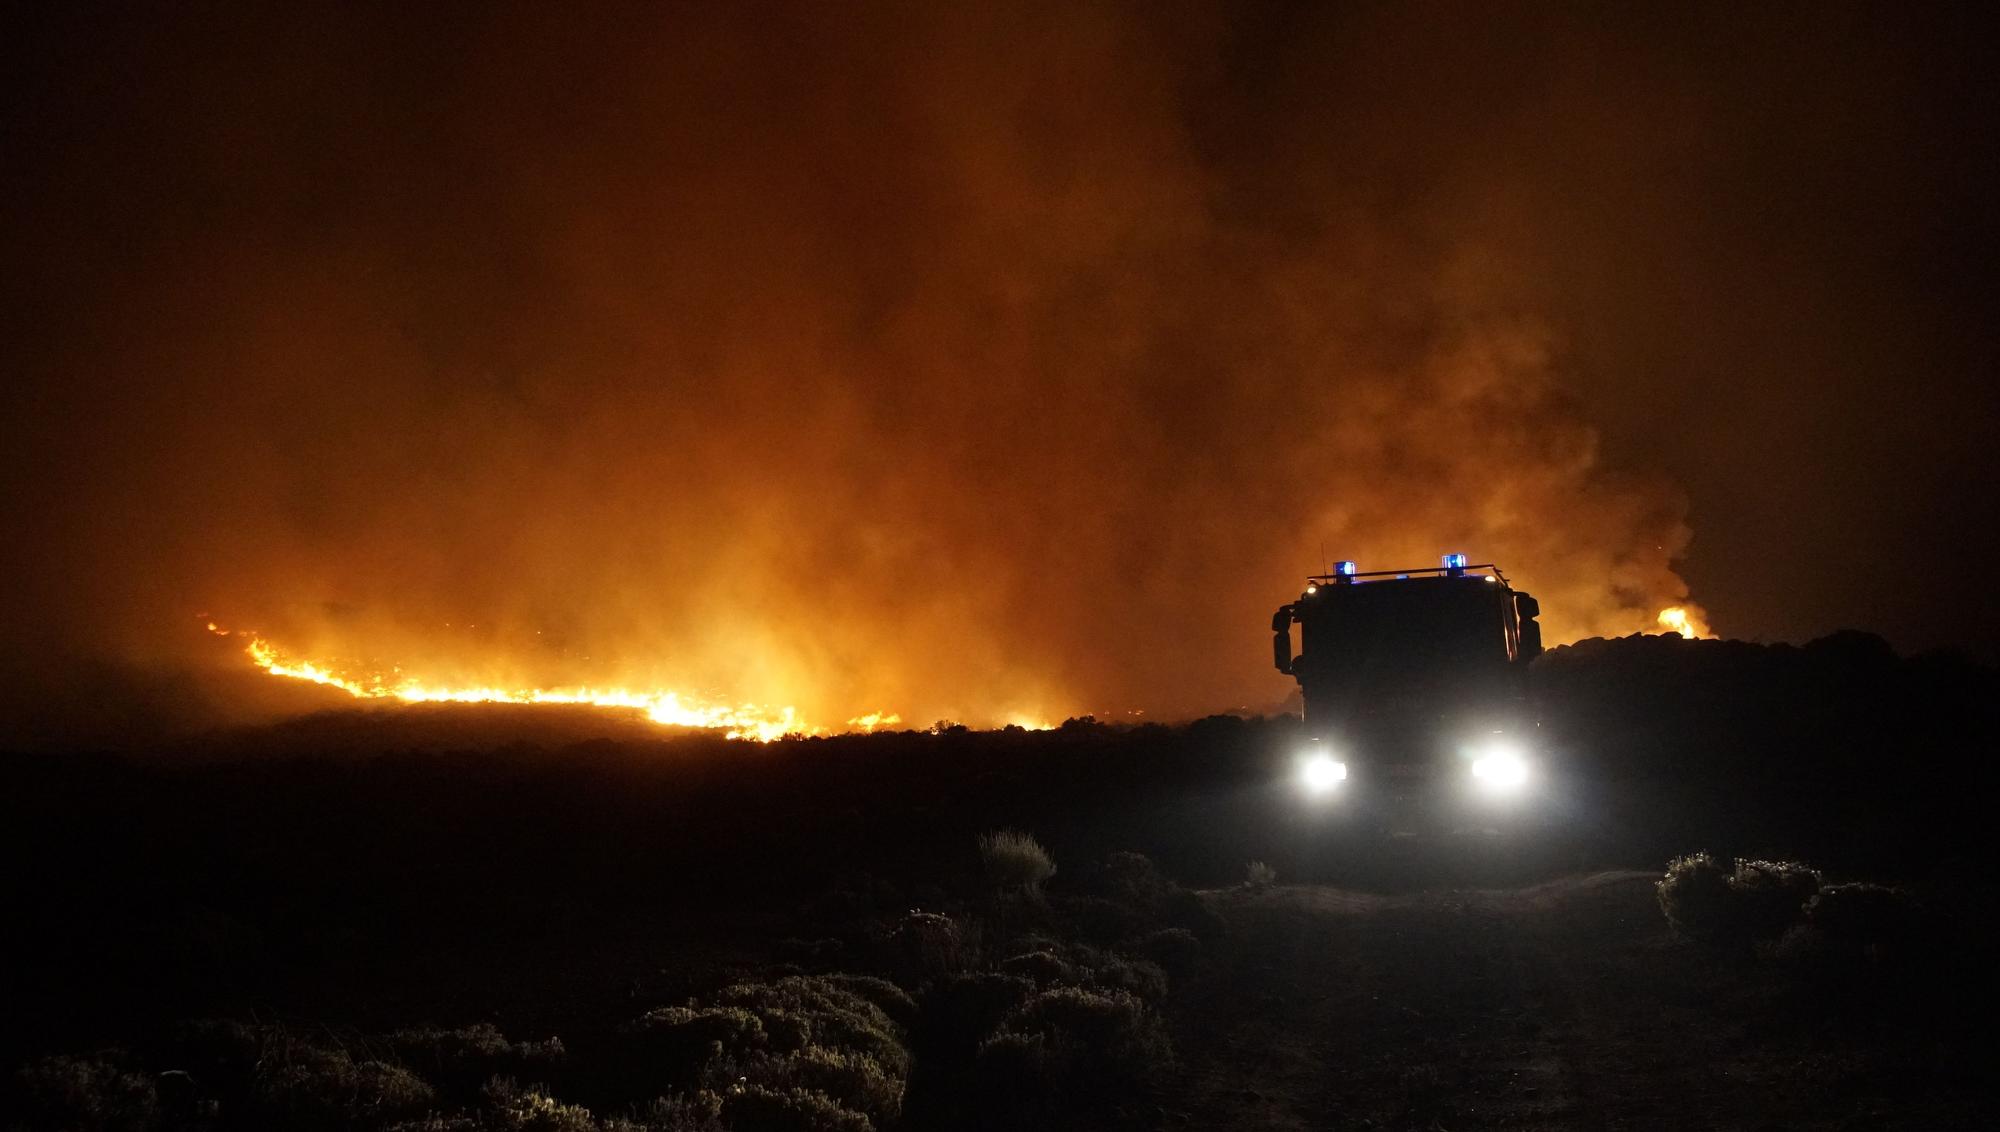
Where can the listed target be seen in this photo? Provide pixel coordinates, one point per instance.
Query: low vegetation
(1015, 861)
(1874, 943)
(1749, 902)
(993, 1013)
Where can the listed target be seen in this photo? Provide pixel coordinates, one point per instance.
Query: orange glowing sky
(982, 365)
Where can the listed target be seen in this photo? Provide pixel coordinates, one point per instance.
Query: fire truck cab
(1417, 702)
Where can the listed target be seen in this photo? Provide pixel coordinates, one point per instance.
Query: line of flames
(740, 721)
(678, 709)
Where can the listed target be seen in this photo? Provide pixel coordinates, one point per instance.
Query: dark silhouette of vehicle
(1418, 706)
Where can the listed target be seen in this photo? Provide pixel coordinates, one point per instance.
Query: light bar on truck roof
(1342, 577)
(1344, 569)
(1454, 561)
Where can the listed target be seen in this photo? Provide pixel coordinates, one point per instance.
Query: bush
(889, 998)
(928, 944)
(306, 1087)
(1029, 941)
(1695, 896)
(1109, 1034)
(1259, 875)
(531, 1109)
(1770, 896)
(83, 1094)
(855, 1081)
(822, 1035)
(1108, 970)
(835, 1016)
(1015, 860)
(671, 1047)
(1132, 878)
(463, 1059)
(1066, 1046)
(1043, 968)
(699, 1111)
(1757, 900)
(754, 1108)
(220, 1053)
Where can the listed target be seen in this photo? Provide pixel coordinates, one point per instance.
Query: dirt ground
(1567, 1004)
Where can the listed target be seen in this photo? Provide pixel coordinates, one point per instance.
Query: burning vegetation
(662, 706)
(853, 376)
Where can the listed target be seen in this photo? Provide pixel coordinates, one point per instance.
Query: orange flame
(679, 709)
(1685, 620)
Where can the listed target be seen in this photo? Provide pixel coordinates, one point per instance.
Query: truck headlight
(1321, 773)
(1501, 770)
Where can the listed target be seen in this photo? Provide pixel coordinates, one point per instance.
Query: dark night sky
(865, 356)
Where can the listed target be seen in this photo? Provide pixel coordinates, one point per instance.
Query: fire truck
(1418, 709)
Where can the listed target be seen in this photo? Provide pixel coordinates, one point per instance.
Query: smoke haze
(976, 365)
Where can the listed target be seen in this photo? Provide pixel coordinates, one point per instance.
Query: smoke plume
(986, 366)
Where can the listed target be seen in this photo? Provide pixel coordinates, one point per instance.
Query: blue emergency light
(1344, 569)
(1454, 561)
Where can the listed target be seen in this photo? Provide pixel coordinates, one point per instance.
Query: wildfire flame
(1685, 621)
(679, 709)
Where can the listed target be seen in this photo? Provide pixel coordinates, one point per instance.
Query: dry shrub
(799, 1052)
(86, 1094)
(699, 1111)
(1043, 968)
(1029, 941)
(1069, 1044)
(439, 1123)
(670, 1048)
(1118, 1033)
(508, 1107)
(927, 945)
(513, 1108)
(1694, 895)
(302, 1086)
(1132, 878)
(887, 996)
(831, 1015)
(1085, 966)
(1014, 860)
(1755, 900)
(1257, 874)
(1769, 896)
(854, 1081)
(754, 1108)
(1108, 970)
(460, 1060)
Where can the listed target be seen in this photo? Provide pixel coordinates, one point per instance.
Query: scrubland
(1757, 898)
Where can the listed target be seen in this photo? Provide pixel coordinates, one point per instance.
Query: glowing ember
(1680, 619)
(743, 721)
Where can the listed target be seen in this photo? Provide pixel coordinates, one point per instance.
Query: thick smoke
(966, 366)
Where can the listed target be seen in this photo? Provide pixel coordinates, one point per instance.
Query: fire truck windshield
(1384, 642)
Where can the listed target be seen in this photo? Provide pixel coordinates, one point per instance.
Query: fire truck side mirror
(1527, 609)
(1281, 639)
